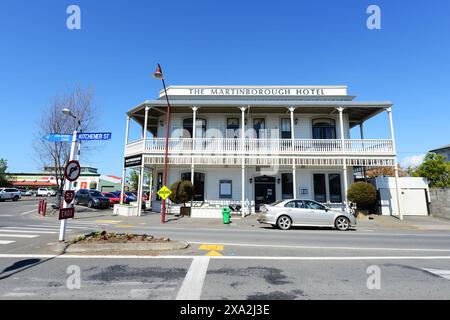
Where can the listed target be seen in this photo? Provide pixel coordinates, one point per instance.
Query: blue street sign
(94, 136)
(55, 137)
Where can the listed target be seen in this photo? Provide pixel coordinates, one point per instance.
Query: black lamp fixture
(161, 123)
(250, 180)
(278, 180)
(296, 121)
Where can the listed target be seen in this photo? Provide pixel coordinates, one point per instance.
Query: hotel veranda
(248, 145)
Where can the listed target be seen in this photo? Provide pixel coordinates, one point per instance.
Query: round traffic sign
(72, 170)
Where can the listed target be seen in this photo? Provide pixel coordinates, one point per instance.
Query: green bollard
(226, 215)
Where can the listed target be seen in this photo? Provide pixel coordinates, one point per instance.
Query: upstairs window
(286, 129)
(324, 129)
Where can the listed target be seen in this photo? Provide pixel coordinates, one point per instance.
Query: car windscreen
(96, 194)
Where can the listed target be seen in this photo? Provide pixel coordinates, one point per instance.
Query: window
(313, 205)
(259, 125)
(286, 129)
(188, 128)
(225, 189)
(334, 181)
(287, 186)
(319, 187)
(294, 204)
(232, 127)
(324, 129)
(159, 184)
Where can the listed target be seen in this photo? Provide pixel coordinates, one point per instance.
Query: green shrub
(363, 194)
(182, 192)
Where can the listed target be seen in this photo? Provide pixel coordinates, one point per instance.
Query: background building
(445, 151)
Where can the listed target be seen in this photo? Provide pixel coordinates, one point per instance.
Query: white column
(194, 130)
(361, 133)
(141, 176)
(397, 191)
(344, 161)
(127, 133)
(243, 160)
(294, 178)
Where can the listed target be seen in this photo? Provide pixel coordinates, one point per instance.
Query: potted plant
(182, 192)
(364, 195)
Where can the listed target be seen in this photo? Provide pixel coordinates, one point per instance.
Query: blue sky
(222, 42)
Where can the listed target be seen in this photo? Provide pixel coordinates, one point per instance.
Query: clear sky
(223, 42)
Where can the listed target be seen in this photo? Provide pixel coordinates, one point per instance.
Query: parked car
(128, 196)
(287, 213)
(46, 192)
(91, 198)
(10, 194)
(113, 198)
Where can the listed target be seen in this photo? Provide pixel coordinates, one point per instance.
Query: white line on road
(193, 283)
(318, 247)
(28, 231)
(29, 228)
(442, 273)
(9, 235)
(305, 258)
(57, 227)
(28, 212)
(6, 215)
(6, 242)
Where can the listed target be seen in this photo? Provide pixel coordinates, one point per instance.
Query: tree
(182, 192)
(134, 178)
(435, 169)
(3, 168)
(55, 155)
(385, 172)
(363, 194)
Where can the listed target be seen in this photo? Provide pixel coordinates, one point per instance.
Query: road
(242, 261)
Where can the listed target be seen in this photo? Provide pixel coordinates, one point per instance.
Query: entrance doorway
(199, 184)
(264, 191)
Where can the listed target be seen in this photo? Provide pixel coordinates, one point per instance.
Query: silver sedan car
(287, 213)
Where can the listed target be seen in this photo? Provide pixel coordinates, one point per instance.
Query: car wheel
(16, 198)
(284, 222)
(90, 204)
(77, 202)
(342, 223)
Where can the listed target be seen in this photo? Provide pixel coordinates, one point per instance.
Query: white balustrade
(205, 146)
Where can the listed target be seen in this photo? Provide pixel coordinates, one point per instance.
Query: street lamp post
(69, 185)
(158, 74)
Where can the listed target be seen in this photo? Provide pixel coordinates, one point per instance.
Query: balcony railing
(206, 146)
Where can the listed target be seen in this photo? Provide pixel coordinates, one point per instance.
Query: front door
(199, 184)
(264, 191)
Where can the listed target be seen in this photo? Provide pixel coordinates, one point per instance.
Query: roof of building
(441, 148)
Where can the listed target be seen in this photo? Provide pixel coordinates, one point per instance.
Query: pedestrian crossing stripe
(6, 241)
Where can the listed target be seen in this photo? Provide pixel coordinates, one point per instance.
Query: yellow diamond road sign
(164, 192)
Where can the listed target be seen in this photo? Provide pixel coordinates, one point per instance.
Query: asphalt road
(222, 263)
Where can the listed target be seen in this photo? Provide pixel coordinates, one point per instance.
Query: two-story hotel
(249, 145)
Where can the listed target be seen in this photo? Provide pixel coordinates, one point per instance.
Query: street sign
(133, 161)
(56, 137)
(94, 136)
(66, 213)
(164, 192)
(69, 195)
(72, 170)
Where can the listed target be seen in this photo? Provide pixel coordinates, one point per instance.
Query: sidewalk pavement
(422, 223)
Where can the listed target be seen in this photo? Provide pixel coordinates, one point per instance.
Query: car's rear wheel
(16, 198)
(284, 222)
(342, 223)
(90, 204)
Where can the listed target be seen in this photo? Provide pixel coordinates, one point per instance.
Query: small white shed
(414, 196)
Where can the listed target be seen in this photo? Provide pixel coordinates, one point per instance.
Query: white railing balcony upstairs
(263, 146)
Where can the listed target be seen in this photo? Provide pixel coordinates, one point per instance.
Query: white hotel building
(258, 144)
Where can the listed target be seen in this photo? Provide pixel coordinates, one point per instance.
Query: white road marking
(442, 273)
(319, 247)
(27, 231)
(192, 286)
(57, 227)
(6, 241)
(28, 212)
(28, 228)
(19, 235)
(19, 294)
(6, 215)
(305, 258)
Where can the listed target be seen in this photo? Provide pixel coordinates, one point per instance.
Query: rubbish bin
(226, 215)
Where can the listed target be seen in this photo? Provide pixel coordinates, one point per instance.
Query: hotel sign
(258, 91)
(134, 161)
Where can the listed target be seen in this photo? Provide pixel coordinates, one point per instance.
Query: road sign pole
(68, 186)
